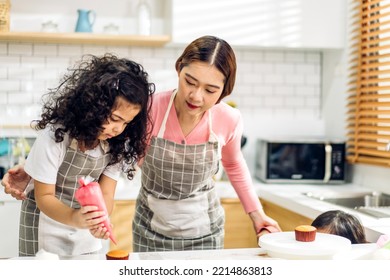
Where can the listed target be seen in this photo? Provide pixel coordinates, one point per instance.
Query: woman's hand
(262, 223)
(15, 182)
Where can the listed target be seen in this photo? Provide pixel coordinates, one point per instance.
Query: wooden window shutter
(368, 111)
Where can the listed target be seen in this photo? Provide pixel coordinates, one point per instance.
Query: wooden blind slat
(373, 80)
(370, 112)
(369, 160)
(373, 88)
(367, 144)
(376, 129)
(371, 152)
(373, 96)
(373, 120)
(369, 136)
(365, 75)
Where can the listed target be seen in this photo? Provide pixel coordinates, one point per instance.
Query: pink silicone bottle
(91, 194)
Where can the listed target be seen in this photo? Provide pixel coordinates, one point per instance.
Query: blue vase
(85, 21)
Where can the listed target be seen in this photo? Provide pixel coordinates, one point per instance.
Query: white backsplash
(283, 84)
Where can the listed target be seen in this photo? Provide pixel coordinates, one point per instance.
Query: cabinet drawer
(122, 218)
(239, 231)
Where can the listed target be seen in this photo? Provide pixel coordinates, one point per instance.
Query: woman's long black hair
(84, 100)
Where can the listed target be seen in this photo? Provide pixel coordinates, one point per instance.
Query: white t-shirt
(46, 157)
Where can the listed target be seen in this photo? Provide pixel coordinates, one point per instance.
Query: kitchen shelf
(85, 38)
(7, 126)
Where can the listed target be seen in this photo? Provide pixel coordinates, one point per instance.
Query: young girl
(93, 124)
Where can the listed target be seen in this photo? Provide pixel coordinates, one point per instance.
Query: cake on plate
(305, 233)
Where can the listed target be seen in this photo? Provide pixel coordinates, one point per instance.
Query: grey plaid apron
(177, 207)
(64, 240)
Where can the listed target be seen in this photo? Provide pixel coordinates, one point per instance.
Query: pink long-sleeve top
(228, 126)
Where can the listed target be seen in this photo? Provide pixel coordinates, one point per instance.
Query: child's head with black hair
(340, 223)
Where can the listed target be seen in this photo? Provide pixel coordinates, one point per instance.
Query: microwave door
(328, 162)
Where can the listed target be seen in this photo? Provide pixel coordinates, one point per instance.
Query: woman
(177, 207)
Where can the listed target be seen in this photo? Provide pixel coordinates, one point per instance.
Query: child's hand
(101, 232)
(88, 217)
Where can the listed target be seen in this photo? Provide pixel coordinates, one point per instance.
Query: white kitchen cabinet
(9, 218)
(318, 24)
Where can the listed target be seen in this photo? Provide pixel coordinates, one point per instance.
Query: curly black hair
(84, 100)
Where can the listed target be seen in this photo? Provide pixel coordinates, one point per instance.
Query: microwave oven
(300, 161)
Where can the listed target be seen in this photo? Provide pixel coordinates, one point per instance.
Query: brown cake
(305, 233)
(117, 255)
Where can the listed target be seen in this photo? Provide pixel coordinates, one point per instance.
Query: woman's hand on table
(263, 224)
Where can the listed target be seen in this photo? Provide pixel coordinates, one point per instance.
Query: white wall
(334, 88)
(271, 23)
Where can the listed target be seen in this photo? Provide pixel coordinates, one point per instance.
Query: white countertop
(228, 254)
(356, 251)
(225, 254)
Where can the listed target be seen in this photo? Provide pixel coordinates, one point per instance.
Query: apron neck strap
(164, 123)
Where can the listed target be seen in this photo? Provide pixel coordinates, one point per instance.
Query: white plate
(283, 245)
